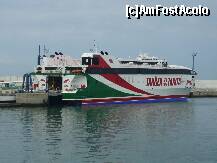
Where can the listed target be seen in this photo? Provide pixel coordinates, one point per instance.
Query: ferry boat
(100, 78)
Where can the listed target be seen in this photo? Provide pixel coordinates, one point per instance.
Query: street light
(193, 55)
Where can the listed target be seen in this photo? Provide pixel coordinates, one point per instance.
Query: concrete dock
(205, 88)
(32, 98)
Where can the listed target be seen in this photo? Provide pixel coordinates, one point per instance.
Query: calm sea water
(163, 132)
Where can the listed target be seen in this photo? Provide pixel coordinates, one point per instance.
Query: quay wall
(205, 88)
(206, 84)
(32, 98)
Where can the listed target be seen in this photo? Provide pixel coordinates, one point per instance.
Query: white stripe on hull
(113, 85)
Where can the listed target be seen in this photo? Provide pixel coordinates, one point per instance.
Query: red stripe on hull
(115, 78)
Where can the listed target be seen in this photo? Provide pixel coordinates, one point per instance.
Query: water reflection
(27, 122)
(107, 126)
(123, 133)
(98, 124)
(53, 132)
(41, 133)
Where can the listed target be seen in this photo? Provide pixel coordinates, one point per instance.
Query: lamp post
(194, 55)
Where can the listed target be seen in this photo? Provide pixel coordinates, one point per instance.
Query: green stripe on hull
(95, 89)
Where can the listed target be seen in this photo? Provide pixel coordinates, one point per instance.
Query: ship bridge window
(86, 61)
(95, 61)
(90, 61)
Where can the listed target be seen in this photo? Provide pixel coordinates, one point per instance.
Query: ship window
(136, 71)
(7, 85)
(110, 60)
(152, 63)
(164, 64)
(95, 61)
(50, 68)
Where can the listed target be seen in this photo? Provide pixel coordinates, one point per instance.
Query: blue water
(183, 132)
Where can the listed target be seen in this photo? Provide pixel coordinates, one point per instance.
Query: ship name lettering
(155, 81)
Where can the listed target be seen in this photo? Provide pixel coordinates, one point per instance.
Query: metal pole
(44, 50)
(193, 63)
(193, 55)
(39, 55)
(39, 50)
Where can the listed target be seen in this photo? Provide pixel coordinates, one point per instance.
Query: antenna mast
(44, 50)
(39, 50)
(95, 46)
(39, 55)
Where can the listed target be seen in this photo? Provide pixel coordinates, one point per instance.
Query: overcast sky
(71, 26)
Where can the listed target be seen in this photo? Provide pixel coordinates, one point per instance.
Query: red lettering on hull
(153, 82)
